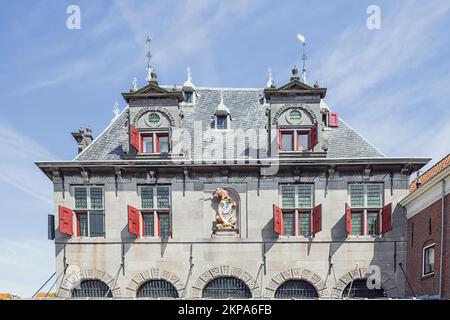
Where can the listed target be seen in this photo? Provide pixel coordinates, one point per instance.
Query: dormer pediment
(153, 91)
(295, 88)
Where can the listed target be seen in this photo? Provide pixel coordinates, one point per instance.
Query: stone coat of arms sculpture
(226, 211)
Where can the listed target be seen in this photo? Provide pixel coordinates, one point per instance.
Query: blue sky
(391, 85)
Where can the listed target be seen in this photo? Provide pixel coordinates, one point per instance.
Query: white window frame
(424, 249)
(297, 209)
(154, 135)
(155, 210)
(365, 209)
(88, 210)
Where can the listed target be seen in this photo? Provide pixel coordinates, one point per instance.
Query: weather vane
(302, 39)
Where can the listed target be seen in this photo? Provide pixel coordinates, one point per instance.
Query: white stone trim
(297, 274)
(224, 271)
(153, 274)
(72, 280)
(387, 283)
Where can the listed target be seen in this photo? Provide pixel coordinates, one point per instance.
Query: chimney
(83, 138)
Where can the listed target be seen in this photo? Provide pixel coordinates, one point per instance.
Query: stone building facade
(139, 211)
(428, 208)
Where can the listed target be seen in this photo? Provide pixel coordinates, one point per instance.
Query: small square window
(304, 223)
(163, 143)
(149, 224)
(221, 122)
(428, 260)
(147, 198)
(357, 223)
(372, 223)
(289, 223)
(82, 220)
(287, 141)
(302, 141)
(164, 223)
(188, 96)
(148, 144)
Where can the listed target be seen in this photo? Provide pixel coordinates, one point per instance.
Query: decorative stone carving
(224, 271)
(153, 274)
(72, 280)
(226, 211)
(297, 274)
(161, 110)
(288, 106)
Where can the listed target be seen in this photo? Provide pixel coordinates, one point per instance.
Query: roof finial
(302, 39)
(222, 108)
(270, 82)
(134, 86)
(188, 82)
(116, 110)
(151, 73)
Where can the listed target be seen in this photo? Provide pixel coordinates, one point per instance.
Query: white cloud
(365, 71)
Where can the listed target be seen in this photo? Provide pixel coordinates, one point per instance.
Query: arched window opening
(157, 289)
(92, 289)
(358, 289)
(226, 287)
(296, 289)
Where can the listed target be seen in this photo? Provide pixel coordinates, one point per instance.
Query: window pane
(304, 197)
(357, 195)
(221, 122)
(80, 198)
(96, 219)
(96, 195)
(163, 197)
(147, 198)
(288, 223)
(188, 97)
(356, 224)
(83, 225)
(288, 196)
(304, 224)
(287, 141)
(148, 144)
(163, 143)
(164, 229)
(429, 260)
(374, 196)
(372, 223)
(303, 144)
(149, 224)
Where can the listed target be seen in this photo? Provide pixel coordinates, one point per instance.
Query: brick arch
(224, 271)
(387, 283)
(153, 274)
(73, 279)
(297, 274)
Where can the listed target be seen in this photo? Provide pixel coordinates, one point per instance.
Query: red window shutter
(65, 220)
(313, 140)
(333, 119)
(280, 145)
(133, 220)
(348, 219)
(277, 220)
(134, 138)
(317, 219)
(386, 218)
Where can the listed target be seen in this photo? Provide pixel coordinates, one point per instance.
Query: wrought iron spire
(151, 73)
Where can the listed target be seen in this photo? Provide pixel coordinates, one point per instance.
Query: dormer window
(155, 142)
(189, 97)
(294, 140)
(221, 122)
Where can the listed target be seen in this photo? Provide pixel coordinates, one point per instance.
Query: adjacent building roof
(247, 112)
(430, 173)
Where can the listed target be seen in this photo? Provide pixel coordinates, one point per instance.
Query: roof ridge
(362, 137)
(109, 126)
(218, 88)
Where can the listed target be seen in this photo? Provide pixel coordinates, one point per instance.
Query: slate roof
(247, 112)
